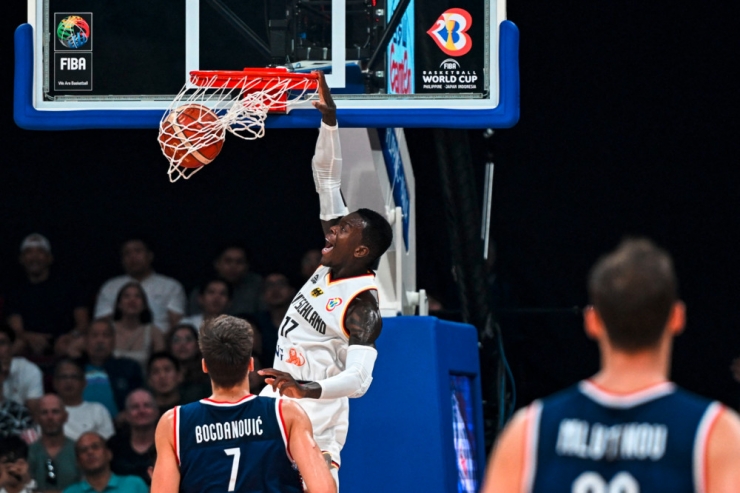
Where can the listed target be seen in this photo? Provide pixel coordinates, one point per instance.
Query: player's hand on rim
(325, 104)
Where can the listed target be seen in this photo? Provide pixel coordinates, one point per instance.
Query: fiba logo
(449, 64)
(450, 32)
(73, 31)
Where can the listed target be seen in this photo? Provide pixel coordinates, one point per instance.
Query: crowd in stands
(83, 386)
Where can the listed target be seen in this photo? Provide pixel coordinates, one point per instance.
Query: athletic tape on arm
(356, 377)
(327, 173)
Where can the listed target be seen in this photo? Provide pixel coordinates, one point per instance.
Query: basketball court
(201, 72)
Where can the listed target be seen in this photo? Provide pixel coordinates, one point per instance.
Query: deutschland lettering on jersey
(587, 440)
(240, 446)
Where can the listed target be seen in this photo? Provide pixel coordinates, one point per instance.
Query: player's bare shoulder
(363, 320)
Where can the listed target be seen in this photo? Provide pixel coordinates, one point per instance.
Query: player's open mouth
(328, 248)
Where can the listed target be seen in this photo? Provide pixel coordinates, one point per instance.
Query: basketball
(191, 136)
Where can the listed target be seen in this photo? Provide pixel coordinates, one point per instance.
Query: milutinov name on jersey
(228, 430)
(629, 441)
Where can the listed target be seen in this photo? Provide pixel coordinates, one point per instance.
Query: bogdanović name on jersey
(636, 441)
(304, 308)
(228, 430)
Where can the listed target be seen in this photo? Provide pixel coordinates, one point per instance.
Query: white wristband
(356, 377)
(331, 204)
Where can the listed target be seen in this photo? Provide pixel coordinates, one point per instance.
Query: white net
(192, 130)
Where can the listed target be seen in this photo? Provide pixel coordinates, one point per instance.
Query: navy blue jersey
(239, 446)
(587, 440)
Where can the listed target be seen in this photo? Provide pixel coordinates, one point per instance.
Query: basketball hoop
(192, 130)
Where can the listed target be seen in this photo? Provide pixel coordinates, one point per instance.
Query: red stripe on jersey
(287, 435)
(174, 433)
(228, 402)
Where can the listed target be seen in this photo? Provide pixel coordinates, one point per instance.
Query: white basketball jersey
(312, 340)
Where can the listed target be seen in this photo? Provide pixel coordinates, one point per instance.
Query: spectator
(15, 420)
(51, 459)
(277, 295)
(136, 337)
(213, 300)
(109, 379)
(166, 296)
(83, 416)
(44, 307)
(94, 457)
(14, 465)
(232, 265)
(23, 382)
(310, 261)
(164, 380)
(183, 345)
(132, 448)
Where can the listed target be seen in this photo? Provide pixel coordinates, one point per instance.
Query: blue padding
(400, 432)
(505, 115)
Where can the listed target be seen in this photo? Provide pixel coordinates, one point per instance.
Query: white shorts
(329, 418)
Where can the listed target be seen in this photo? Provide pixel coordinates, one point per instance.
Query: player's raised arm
(327, 160)
(166, 475)
(306, 454)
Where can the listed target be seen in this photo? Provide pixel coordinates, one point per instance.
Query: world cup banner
(450, 56)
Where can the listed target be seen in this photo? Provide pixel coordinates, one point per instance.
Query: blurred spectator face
(52, 415)
(136, 258)
(69, 382)
(100, 340)
(310, 262)
(183, 344)
(16, 469)
(232, 265)
(277, 290)
(92, 454)
(141, 410)
(215, 298)
(131, 301)
(163, 376)
(35, 260)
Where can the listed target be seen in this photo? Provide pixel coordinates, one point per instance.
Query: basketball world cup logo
(450, 32)
(73, 31)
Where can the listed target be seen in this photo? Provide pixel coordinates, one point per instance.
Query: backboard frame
(500, 110)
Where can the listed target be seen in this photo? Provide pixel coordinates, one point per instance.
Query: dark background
(627, 127)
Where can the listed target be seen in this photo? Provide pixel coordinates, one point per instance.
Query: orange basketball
(190, 135)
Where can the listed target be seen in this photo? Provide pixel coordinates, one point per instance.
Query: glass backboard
(390, 63)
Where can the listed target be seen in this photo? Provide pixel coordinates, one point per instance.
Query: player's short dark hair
(229, 287)
(377, 234)
(161, 355)
(633, 289)
(5, 329)
(13, 448)
(226, 345)
(145, 316)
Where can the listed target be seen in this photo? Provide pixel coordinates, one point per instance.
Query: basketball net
(240, 102)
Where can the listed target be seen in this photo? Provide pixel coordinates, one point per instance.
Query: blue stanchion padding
(401, 432)
(505, 115)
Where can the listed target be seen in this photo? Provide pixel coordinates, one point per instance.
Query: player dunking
(627, 429)
(325, 351)
(236, 441)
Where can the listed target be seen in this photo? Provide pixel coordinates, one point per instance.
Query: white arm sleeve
(327, 173)
(356, 377)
